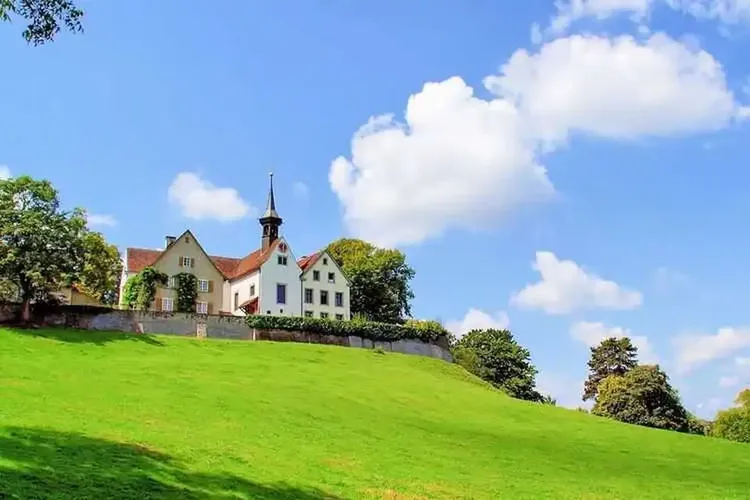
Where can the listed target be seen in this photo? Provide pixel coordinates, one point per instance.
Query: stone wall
(211, 326)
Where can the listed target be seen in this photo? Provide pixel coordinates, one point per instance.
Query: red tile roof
(230, 267)
(308, 260)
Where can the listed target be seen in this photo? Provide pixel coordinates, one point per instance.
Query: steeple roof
(271, 212)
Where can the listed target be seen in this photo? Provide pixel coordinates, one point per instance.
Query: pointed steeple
(270, 221)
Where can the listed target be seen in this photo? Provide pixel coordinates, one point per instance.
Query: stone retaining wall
(213, 326)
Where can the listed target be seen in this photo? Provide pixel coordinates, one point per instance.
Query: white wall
(242, 288)
(340, 285)
(272, 273)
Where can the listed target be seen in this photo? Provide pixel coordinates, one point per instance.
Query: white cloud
(693, 351)
(592, 334)
(4, 172)
(301, 190)
(725, 11)
(461, 161)
(199, 199)
(728, 381)
(571, 11)
(100, 220)
(478, 320)
(595, 86)
(566, 287)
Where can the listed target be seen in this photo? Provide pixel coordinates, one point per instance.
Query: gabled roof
(229, 267)
(308, 260)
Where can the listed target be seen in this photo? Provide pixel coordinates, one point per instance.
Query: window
(340, 317)
(339, 299)
(167, 304)
(323, 298)
(282, 259)
(308, 314)
(236, 300)
(331, 277)
(201, 307)
(203, 286)
(316, 275)
(324, 315)
(280, 293)
(252, 290)
(308, 295)
(172, 283)
(325, 261)
(187, 262)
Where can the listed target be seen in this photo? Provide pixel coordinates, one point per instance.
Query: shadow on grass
(87, 337)
(38, 463)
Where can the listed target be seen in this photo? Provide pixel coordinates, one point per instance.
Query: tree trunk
(26, 311)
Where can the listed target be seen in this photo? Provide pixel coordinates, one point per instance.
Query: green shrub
(366, 329)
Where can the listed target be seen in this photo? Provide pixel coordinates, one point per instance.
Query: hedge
(425, 331)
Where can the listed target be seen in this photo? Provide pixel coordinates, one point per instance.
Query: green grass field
(87, 415)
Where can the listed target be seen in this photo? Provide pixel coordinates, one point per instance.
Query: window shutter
(209, 308)
(210, 287)
(181, 261)
(157, 304)
(192, 262)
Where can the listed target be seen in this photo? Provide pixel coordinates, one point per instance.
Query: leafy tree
(40, 244)
(734, 423)
(102, 268)
(187, 292)
(642, 396)
(611, 357)
(44, 17)
(379, 279)
(140, 290)
(495, 356)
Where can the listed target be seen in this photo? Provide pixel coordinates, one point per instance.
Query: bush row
(425, 331)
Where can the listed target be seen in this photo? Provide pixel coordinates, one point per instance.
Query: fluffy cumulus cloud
(592, 334)
(693, 351)
(457, 160)
(198, 199)
(476, 319)
(565, 287)
(4, 172)
(100, 220)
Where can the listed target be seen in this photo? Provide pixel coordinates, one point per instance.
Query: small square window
(339, 298)
(308, 295)
(172, 283)
(324, 315)
(201, 307)
(316, 275)
(308, 314)
(187, 262)
(167, 304)
(340, 317)
(331, 277)
(282, 260)
(323, 298)
(203, 286)
(280, 293)
(252, 290)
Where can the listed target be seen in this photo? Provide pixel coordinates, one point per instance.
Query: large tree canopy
(44, 17)
(102, 269)
(41, 245)
(495, 356)
(642, 396)
(612, 357)
(734, 423)
(379, 278)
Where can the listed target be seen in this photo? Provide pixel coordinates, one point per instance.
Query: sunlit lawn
(98, 415)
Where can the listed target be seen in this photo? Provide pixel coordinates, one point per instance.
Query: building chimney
(169, 241)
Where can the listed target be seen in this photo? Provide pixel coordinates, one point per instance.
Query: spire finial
(271, 204)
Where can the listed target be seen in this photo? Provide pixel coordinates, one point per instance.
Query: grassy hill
(86, 415)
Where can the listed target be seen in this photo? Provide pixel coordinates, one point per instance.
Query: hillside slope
(86, 415)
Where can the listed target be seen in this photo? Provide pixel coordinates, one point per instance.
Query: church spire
(271, 219)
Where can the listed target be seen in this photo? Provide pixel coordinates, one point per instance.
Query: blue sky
(605, 141)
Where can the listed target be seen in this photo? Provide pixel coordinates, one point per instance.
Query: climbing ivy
(140, 290)
(187, 292)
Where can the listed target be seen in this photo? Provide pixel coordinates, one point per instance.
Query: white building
(270, 280)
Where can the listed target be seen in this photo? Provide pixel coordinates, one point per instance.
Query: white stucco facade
(241, 290)
(281, 269)
(330, 290)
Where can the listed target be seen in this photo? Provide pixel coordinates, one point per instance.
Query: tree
(379, 279)
(40, 244)
(642, 396)
(611, 357)
(495, 356)
(102, 268)
(140, 290)
(187, 292)
(734, 423)
(44, 17)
